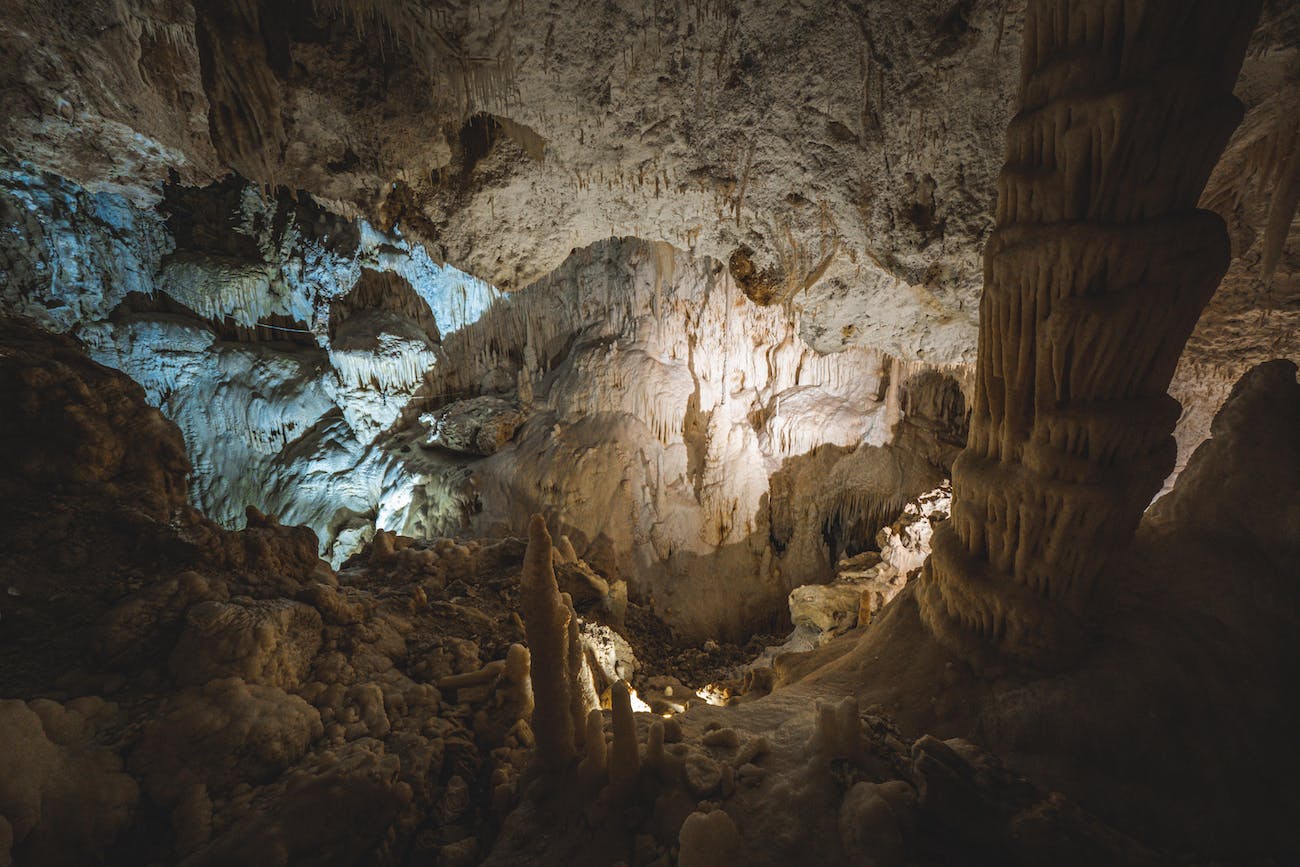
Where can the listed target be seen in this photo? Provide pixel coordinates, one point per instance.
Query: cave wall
(232, 310)
(684, 438)
(791, 149)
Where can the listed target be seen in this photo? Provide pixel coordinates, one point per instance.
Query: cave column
(1095, 274)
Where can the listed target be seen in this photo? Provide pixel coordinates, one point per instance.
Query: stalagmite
(546, 624)
(582, 688)
(708, 840)
(655, 758)
(1095, 274)
(515, 687)
(593, 767)
(837, 733)
(624, 761)
(566, 551)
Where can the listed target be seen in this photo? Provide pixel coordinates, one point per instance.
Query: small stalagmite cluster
(558, 664)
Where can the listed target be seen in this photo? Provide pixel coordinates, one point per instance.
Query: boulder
(476, 426)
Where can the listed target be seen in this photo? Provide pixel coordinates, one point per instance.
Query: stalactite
(476, 81)
(1094, 276)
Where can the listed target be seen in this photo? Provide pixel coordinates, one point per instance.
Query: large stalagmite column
(1096, 273)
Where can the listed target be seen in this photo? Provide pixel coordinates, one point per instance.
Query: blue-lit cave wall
(231, 309)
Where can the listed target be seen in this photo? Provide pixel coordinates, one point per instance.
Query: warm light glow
(638, 706)
(714, 694)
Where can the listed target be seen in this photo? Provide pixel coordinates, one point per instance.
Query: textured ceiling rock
(104, 93)
(845, 148)
(838, 155)
(841, 153)
(789, 141)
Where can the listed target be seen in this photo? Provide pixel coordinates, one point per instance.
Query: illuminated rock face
(683, 438)
(851, 180)
(280, 339)
(1095, 275)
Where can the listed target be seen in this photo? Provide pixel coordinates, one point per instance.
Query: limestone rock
(703, 775)
(826, 607)
(581, 583)
(666, 694)
(1252, 459)
(870, 829)
(609, 654)
(477, 426)
(220, 734)
(74, 423)
(973, 796)
(905, 543)
(125, 631)
(269, 642)
(709, 840)
(867, 582)
(330, 810)
(63, 798)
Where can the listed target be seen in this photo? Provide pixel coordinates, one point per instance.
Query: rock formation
(1095, 275)
(496, 433)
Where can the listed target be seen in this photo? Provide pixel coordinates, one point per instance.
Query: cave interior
(700, 432)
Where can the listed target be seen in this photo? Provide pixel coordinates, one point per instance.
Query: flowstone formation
(282, 339)
(1095, 275)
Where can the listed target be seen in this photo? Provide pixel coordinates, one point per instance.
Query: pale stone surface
(866, 583)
